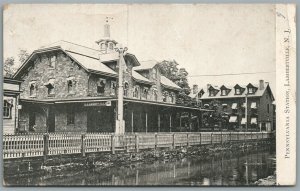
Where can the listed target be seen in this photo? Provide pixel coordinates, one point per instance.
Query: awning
(253, 105)
(234, 106)
(243, 122)
(233, 119)
(253, 120)
(224, 104)
(206, 105)
(50, 82)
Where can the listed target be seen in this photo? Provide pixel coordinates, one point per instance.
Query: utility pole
(246, 111)
(120, 123)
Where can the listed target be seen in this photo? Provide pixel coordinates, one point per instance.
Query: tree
(8, 67)
(9, 63)
(179, 77)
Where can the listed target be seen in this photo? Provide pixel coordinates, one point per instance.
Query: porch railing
(33, 145)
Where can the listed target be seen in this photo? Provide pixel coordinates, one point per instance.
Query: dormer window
(52, 61)
(101, 86)
(103, 46)
(224, 92)
(238, 91)
(111, 46)
(250, 91)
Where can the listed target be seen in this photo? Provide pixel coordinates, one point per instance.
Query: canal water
(222, 170)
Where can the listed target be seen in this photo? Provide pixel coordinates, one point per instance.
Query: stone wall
(41, 72)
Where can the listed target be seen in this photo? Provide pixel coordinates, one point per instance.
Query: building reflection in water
(224, 169)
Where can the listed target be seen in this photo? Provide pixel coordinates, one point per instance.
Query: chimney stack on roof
(195, 89)
(208, 85)
(261, 84)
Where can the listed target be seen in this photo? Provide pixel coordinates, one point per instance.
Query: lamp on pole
(120, 123)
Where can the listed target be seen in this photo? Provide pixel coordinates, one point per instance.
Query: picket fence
(35, 145)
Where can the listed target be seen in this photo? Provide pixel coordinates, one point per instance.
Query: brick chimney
(208, 85)
(261, 84)
(195, 88)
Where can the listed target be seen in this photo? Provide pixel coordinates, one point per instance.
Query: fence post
(244, 137)
(221, 138)
(155, 140)
(173, 141)
(46, 146)
(200, 138)
(188, 143)
(113, 144)
(211, 138)
(136, 143)
(83, 145)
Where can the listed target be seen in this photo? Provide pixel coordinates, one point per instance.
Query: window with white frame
(237, 91)
(113, 87)
(155, 95)
(101, 86)
(136, 92)
(145, 93)
(7, 108)
(126, 87)
(32, 89)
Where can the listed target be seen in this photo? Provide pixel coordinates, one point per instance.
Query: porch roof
(96, 99)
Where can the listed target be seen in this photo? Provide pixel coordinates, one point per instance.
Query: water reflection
(224, 169)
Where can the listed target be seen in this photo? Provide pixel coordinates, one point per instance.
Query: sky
(209, 39)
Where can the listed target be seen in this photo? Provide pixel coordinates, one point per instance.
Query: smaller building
(11, 92)
(239, 107)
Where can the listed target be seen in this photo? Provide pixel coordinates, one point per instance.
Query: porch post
(131, 121)
(158, 122)
(146, 122)
(180, 122)
(170, 121)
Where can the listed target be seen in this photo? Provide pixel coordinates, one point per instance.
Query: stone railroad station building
(67, 87)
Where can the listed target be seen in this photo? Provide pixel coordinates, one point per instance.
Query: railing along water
(33, 145)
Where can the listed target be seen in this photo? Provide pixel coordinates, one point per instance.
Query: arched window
(145, 93)
(32, 89)
(101, 86)
(111, 46)
(103, 46)
(165, 97)
(126, 87)
(155, 95)
(136, 92)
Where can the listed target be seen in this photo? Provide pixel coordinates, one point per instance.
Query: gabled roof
(193, 95)
(91, 64)
(87, 57)
(167, 83)
(139, 78)
(146, 65)
(232, 94)
(224, 87)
